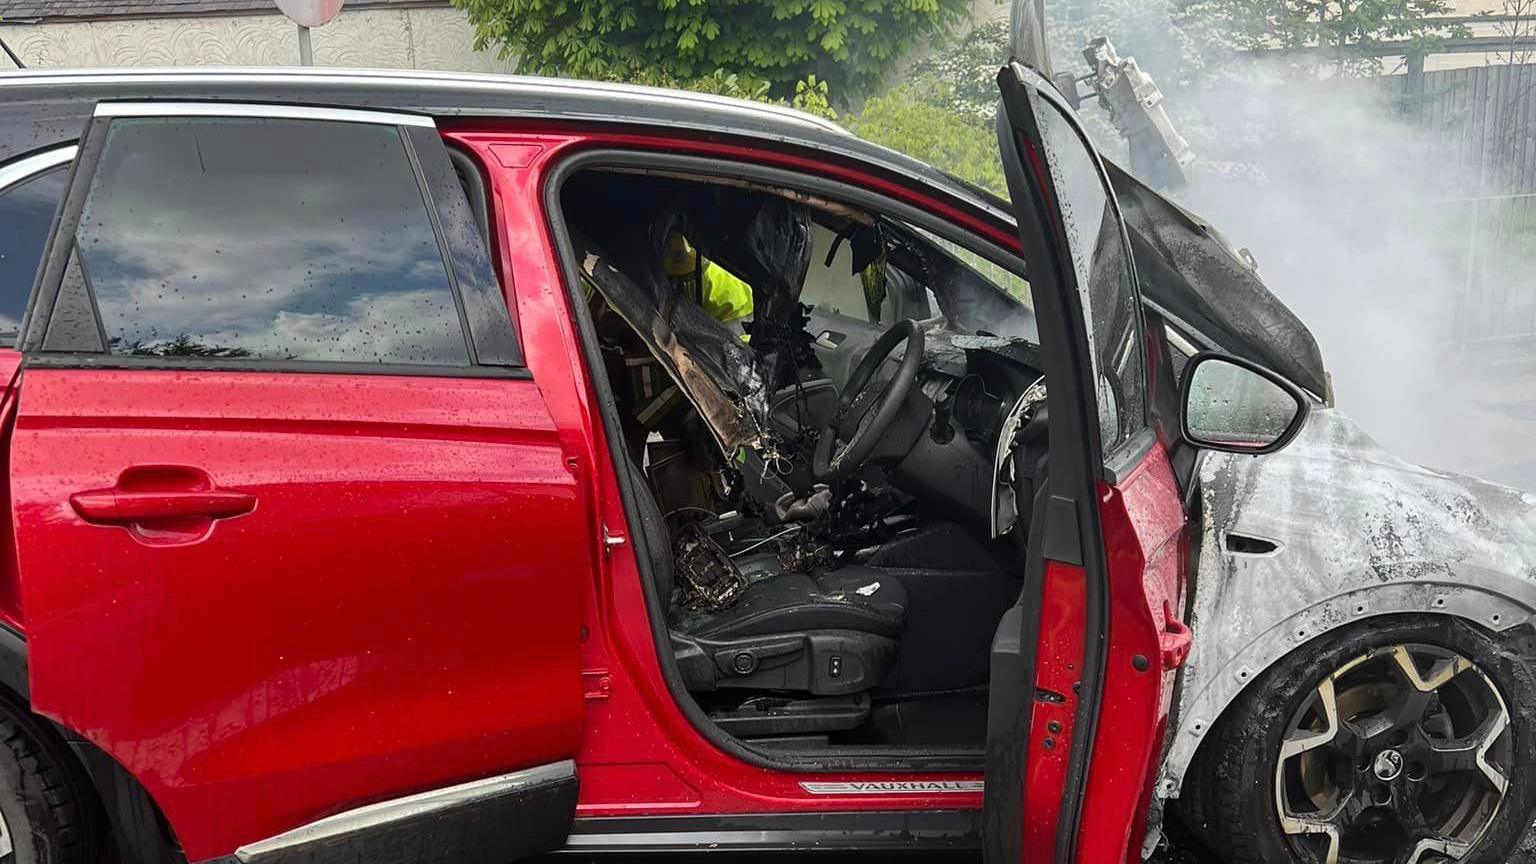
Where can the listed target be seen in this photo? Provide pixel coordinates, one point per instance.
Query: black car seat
(827, 632)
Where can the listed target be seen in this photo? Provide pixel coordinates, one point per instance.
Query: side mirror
(1234, 405)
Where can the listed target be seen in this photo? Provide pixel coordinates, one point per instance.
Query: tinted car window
(26, 213)
(265, 239)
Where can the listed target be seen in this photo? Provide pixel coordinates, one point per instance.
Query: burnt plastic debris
(718, 372)
(769, 243)
(710, 580)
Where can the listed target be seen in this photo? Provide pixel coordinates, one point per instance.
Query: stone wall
(437, 37)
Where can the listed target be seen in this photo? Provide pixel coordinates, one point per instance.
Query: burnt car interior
(828, 415)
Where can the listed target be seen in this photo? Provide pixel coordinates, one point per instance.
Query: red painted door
(1099, 639)
(1145, 536)
(289, 544)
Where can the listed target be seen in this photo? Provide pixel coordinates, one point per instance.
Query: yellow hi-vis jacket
(725, 298)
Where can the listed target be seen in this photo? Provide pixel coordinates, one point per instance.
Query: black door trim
(493, 820)
(909, 831)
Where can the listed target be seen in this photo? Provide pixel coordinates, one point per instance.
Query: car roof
(45, 108)
(40, 108)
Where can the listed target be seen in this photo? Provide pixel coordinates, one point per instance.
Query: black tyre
(1397, 741)
(50, 814)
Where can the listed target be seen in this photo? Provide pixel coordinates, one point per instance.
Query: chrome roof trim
(374, 815)
(460, 81)
(275, 112)
(37, 163)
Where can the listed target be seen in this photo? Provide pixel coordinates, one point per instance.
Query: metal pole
(306, 50)
(12, 54)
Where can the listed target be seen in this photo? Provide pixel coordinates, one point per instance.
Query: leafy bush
(920, 119)
(1347, 34)
(811, 95)
(851, 44)
(965, 70)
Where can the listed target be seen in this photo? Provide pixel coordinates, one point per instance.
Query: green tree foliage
(774, 51)
(812, 97)
(718, 83)
(965, 69)
(1243, 78)
(182, 346)
(921, 120)
(851, 44)
(1178, 48)
(1345, 33)
(811, 94)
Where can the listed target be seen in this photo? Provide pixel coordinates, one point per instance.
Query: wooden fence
(1480, 124)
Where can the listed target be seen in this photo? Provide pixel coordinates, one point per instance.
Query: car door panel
(840, 342)
(1115, 510)
(1145, 533)
(1059, 653)
(838, 318)
(292, 596)
(347, 639)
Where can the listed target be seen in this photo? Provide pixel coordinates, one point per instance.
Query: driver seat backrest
(831, 632)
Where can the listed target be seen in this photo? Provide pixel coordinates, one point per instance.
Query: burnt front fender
(1329, 532)
(1220, 687)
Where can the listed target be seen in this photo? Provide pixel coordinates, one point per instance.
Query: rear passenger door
(298, 544)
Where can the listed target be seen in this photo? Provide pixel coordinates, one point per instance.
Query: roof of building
(44, 11)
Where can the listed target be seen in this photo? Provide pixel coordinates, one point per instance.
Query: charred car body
(1358, 683)
(776, 490)
(637, 469)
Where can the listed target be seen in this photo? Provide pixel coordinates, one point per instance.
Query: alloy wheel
(1400, 756)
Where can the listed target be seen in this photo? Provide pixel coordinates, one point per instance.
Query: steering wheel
(862, 418)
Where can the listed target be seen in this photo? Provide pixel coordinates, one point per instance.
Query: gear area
(831, 419)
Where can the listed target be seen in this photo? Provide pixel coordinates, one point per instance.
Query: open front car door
(1084, 666)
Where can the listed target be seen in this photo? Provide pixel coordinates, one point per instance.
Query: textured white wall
(429, 38)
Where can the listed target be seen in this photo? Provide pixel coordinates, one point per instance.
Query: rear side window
(26, 214)
(272, 239)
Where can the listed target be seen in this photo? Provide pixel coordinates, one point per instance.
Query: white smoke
(1351, 212)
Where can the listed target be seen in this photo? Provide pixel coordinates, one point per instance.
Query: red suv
(449, 468)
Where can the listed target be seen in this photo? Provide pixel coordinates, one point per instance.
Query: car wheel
(46, 813)
(1392, 742)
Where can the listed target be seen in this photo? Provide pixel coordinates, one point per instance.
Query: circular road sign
(310, 13)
